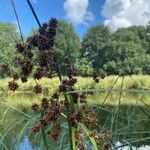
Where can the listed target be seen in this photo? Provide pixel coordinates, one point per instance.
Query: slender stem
(73, 138)
(120, 94)
(44, 135)
(33, 12)
(70, 128)
(17, 18)
(86, 130)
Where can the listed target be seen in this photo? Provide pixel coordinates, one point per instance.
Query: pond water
(127, 116)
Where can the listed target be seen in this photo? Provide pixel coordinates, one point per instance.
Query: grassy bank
(49, 85)
(125, 115)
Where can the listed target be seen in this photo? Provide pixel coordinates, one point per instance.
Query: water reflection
(25, 144)
(128, 122)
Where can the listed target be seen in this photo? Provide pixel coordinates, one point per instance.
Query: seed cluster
(97, 76)
(74, 104)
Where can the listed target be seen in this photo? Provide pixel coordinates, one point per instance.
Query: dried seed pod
(37, 89)
(79, 117)
(91, 119)
(4, 67)
(106, 146)
(75, 97)
(44, 103)
(15, 76)
(35, 107)
(79, 136)
(21, 48)
(29, 54)
(43, 122)
(12, 85)
(26, 68)
(54, 133)
(24, 79)
(38, 74)
(81, 147)
(62, 88)
(36, 128)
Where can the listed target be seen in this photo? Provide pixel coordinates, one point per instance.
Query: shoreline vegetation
(134, 83)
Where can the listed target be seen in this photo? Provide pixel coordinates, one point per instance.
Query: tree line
(126, 51)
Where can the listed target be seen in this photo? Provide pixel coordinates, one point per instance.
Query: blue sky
(81, 13)
(45, 10)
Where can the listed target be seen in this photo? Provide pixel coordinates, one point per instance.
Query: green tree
(8, 40)
(93, 45)
(67, 43)
(125, 51)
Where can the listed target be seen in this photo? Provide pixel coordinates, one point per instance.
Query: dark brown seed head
(43, 122)
(78, 136)
(37, 89)
(81, 147)
(21, 48)
(93, 133)
(91, 119)
(24, 79)
(15, 76)
(4, 67)
(72, 81)
(29, 54)
(36, 128)
(55, 95)
(50, 74)
(38, 74)
(54, 133)
(26, 68)
(75, 97)
(79, 117)
(62, 88)
(12, 85)
(106, 146)
(44, 103)
(96, 80)
(35, 107)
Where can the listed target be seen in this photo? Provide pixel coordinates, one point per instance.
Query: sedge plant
(66, 102)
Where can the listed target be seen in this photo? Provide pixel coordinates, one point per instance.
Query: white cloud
(124, 13)
(77, 11)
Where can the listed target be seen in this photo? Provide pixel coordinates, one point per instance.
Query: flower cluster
(74, 105)
(42, 41)
(97, 76)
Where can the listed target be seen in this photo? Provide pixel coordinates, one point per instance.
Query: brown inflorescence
(91, 119)
(51, 109)
(35, 107)
(12, 85)
(37, 89)
(54, 133)
(106, 146)
(4, 67)
(45, 103)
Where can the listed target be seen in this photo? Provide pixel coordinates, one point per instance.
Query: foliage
(8, 39)
(125, 51)
(67, 43)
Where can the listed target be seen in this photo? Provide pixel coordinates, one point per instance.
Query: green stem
(44, 139)
(87, 131)
(44, 135)
(73, 139)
